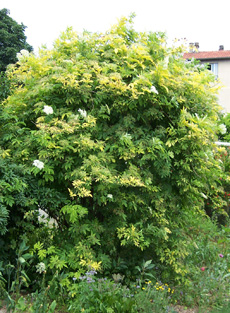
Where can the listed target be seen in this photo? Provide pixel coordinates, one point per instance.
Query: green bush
(115, 132)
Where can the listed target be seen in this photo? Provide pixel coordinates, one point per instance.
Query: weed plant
(92, 294)
(208, 266)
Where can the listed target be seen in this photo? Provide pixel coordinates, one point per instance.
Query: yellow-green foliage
(124, 128)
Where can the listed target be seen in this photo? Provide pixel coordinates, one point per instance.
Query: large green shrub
(117, 132)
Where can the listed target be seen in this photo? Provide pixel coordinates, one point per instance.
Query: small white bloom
(22, 54)
(38, 164)
(82, 112)
(153, 89)
(42, 215)
(48, 109)
(44, 218)
(110, 196)
(41, 267)
(18, 55)
(126, 136)
(67, 61)
(203, 195)
(222, 129)
(25, 53)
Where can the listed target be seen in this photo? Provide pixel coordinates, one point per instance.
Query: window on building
(214, 68)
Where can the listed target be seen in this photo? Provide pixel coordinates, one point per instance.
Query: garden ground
(181, 309)
(178, 309)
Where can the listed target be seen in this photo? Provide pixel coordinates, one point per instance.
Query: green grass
(225, 309)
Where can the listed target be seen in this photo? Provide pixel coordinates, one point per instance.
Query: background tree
(115, 134)
(12, 39)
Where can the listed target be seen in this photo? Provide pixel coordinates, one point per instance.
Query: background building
(219, 64)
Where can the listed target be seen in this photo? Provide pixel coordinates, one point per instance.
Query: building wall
(224, 77)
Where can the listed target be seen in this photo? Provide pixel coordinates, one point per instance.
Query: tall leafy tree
(12, 39)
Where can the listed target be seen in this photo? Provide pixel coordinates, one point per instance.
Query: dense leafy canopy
(114, 133)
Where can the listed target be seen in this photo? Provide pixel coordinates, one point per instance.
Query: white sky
(203, 21)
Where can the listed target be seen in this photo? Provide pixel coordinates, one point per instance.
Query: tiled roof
(208, 55)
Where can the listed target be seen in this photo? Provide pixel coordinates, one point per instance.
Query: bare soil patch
(181, 309)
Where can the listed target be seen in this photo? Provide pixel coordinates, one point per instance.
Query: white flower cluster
(154, 90)
(48, 109)
(110, 196)
(82, 112)
(22, 54)
(44, 218)
(38, 164)
(41, 267)
(126, 136)
(222, 129)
